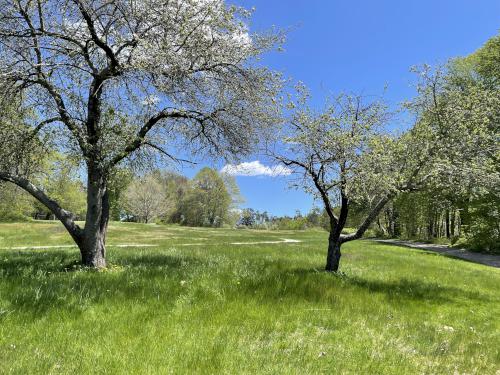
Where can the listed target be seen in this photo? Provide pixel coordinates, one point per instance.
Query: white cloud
(256, 168)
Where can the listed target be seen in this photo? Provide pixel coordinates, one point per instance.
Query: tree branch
(44, 82)
(368, 220)
(140, 138)
(93, 33)
(66, 217)
(167, 154)
(322, 191)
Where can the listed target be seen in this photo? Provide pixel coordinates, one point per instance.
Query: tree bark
(65, 217)
(93, 245)
(92, 239)
(447, 224)
(334, 254)
(452, 222)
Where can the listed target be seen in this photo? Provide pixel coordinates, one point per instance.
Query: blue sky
(360, 46)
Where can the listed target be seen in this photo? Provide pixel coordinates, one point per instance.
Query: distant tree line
(209, 199)
(255, 219)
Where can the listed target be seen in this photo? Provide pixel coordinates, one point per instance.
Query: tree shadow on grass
(313, 285)
(416, 290)
(38, 282)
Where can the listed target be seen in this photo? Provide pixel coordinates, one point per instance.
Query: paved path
(487, 259)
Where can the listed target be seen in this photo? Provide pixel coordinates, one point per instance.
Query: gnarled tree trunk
(333, 257)
(92, 239)
(93, 243)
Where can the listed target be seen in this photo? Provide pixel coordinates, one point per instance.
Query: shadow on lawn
(38, 282)
(313, 285)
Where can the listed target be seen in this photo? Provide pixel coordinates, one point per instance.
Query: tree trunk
(93, 244)
(447, 223)
(333, 258)
(452, 223)
(390, 222)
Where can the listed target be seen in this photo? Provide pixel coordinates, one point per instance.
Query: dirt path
(486, 259)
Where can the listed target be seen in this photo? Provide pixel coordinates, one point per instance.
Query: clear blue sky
(360, 46)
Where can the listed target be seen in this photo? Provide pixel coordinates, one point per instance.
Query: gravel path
(486, 259)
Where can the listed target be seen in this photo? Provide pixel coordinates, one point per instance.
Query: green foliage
(248, 217)
(287, 223)
(61, 181)
(486, 61)
(15, 204)
(118, 182)
(481, 206)
(207, 201)
(483, 218)
(175, 187)
(23, 149)
(255, 219)
(459, 107)
(240, 309)
(58, 176)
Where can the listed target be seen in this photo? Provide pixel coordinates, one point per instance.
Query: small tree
(345, 158)
(247, 217)
(115, 79)
(145, 199)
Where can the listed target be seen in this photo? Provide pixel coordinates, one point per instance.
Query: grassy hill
(196, 302)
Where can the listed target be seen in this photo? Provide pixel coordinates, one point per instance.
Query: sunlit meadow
(195, 302)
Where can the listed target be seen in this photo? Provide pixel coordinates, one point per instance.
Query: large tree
(116, 78)
(346, 155)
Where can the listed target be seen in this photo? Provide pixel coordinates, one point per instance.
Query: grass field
(196, 303)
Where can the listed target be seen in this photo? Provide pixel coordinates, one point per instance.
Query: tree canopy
(115, 80)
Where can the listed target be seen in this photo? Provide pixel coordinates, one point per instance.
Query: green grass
(218, 308)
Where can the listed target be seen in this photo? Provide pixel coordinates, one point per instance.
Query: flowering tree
(111, 79)
(145, 199)
(342, 158)
(344, 154)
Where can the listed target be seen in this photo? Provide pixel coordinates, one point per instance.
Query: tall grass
(197, 304)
